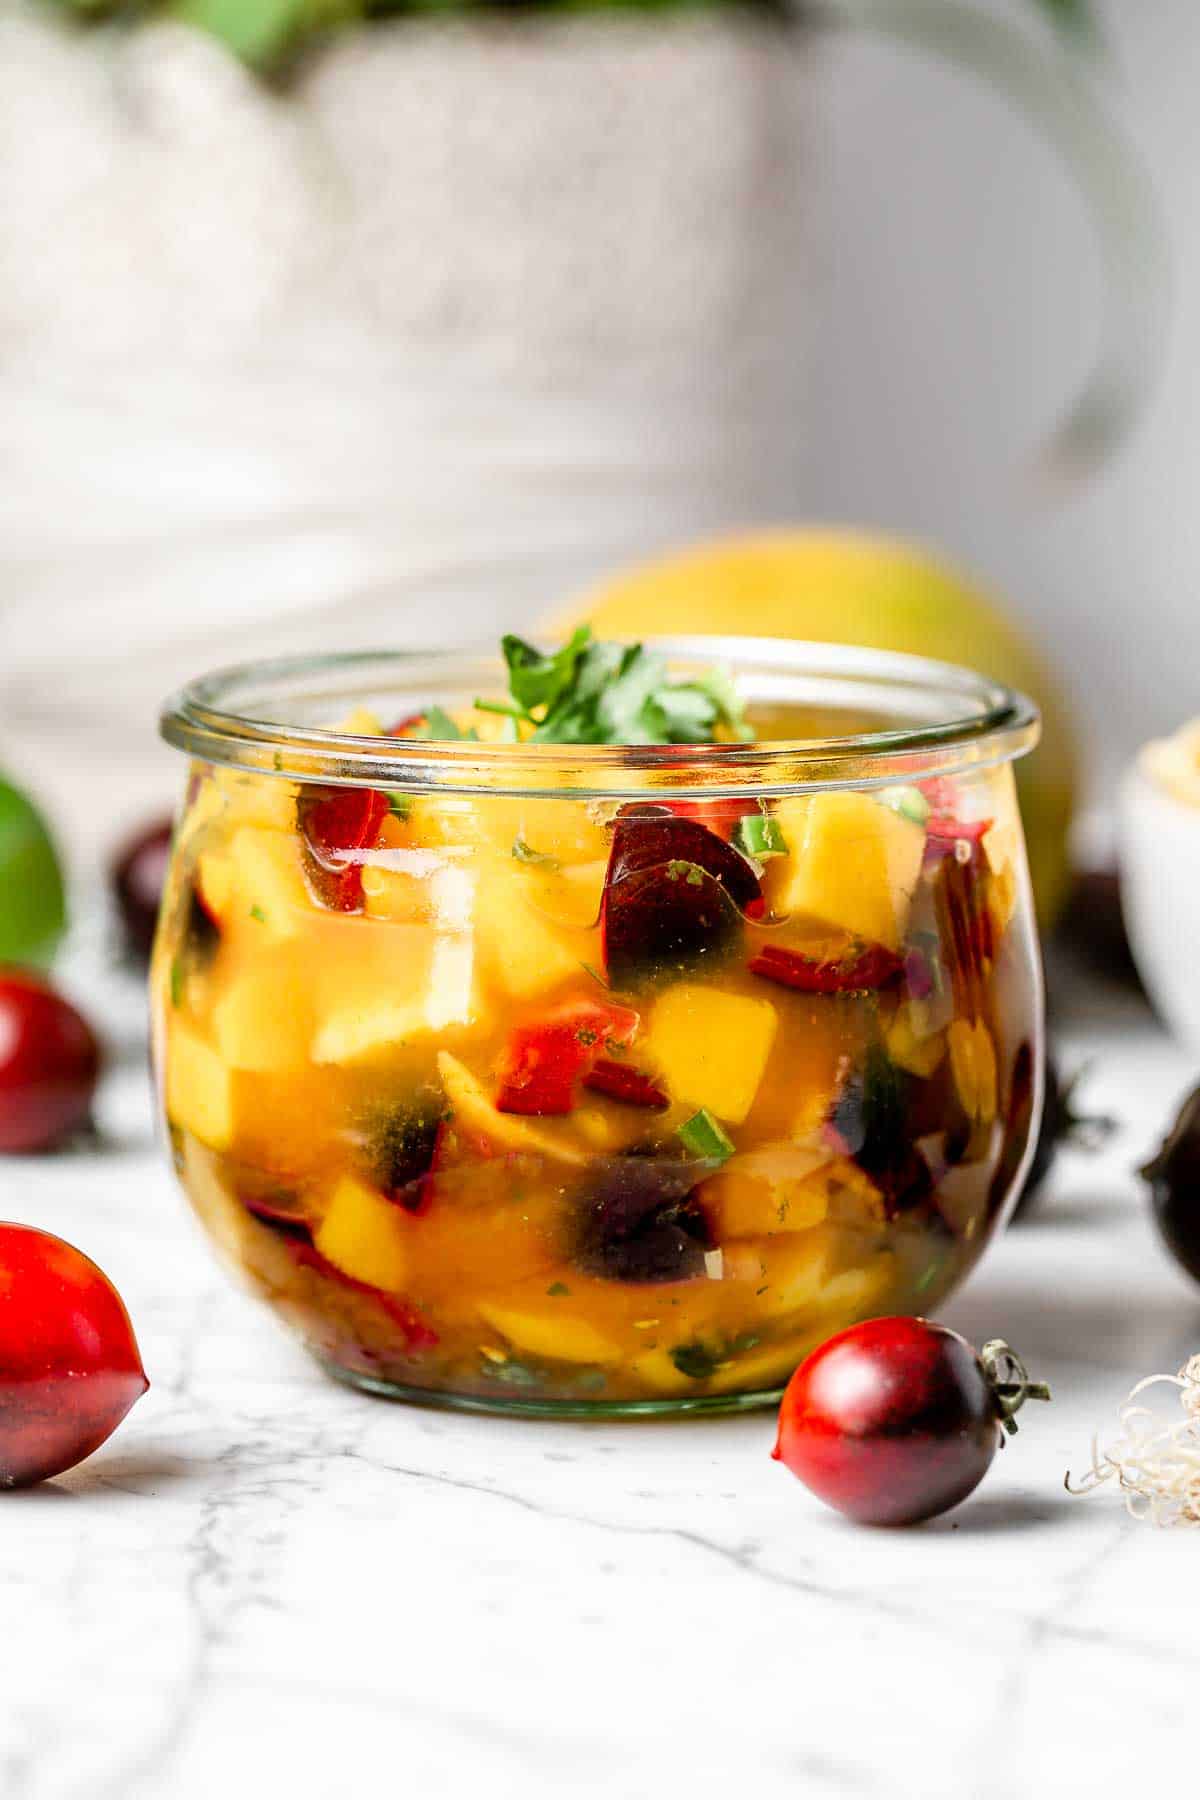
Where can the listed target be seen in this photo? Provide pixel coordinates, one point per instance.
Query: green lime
(32, 901)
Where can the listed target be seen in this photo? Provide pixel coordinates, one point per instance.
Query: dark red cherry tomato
(69, 1363)
(1174, 1177)
(896, 1420)
(674, 892)
(49, 1064)
(337, 824)
(138, 873)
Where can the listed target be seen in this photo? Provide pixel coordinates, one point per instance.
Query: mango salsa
(567, 1103)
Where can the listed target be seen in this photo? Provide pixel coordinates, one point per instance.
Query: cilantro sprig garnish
(591, 692)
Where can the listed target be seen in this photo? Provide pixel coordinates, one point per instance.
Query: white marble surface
(265, 1584)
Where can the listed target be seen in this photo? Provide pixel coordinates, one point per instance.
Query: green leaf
(399, 805)
(538, 680)
(256, 912)
(704, 1137)
(32, 894)
(557, 1289)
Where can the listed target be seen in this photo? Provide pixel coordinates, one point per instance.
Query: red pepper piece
(868, 969)
(405, 727)
(544, 1060)
(620, 1081)
(418, 1332)
(942, 834)
(335, 823)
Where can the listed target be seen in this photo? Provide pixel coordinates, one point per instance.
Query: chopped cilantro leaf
(589, 692)
(256, 912)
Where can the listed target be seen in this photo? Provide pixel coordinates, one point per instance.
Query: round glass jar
(590, 1079)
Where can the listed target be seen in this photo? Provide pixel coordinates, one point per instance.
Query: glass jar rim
(948, 720)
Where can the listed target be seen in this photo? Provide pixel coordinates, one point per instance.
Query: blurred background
(320, 331)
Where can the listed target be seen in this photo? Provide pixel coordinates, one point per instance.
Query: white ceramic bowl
(1160, 889)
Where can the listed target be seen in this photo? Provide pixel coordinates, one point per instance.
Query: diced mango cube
(711, 1048)
(525, 956)
(568, 896)
(365, 1236)
(199, 1088)
(259, 800)
(436, 822)
(782, 1187)
(553, 1333)
(262, 1021)
(396, 894)
(270, 884)
(797, 1275)
(360, 1033)
(852, 865)
(973, 1065)
(216, 881)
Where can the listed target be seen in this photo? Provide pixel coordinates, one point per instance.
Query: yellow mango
(568, 896)
(711, 1048)
(259, 800)
(565, 832)
(475, 1115)
(365, 1236)
(270, 889)
(438, 822)
(656, 1370)
(782, 1187)
(262, 1020)
(396, 894)
(199, 1088)
(361, 1032)
(852, 865)
(551, 1333)
(524, 954)
(768, 1366)
(973, 1065)
(216, 880)
(911, 1048)
(797, 1275)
